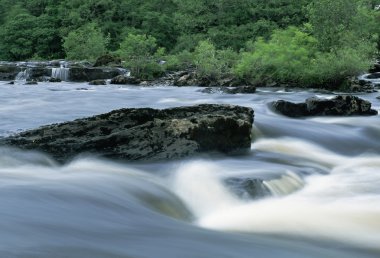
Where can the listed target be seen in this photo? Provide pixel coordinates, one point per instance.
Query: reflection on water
(322, 174)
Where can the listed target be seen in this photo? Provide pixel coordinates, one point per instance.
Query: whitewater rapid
(322, 175)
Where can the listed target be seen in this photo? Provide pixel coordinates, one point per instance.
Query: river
(323, 174)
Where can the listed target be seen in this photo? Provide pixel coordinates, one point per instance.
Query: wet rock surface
(227, 90)
(145, 133)
(43, 71)
(98, 82)
(341, 105)
(108, 60)
(83, 74)
(247, 188)
(122, 79)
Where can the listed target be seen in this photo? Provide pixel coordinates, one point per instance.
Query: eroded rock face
(108, 60)
(344, 105)
(123, 79)
(145, 134)
(79, 74)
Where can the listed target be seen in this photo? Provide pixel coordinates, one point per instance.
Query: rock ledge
(144, 133)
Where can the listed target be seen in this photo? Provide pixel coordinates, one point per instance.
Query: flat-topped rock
(341, 105)
(144, 133)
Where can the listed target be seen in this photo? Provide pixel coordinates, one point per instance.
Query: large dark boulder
(145, 133)
(373, 75)
(342, 105)
(8, 72)
(289, 108)
(86, 74)
(375, 68)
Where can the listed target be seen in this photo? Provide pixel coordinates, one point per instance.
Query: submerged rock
(145, 133)
(53, 79)
(247, 188)
(31, 82)
(342, 105)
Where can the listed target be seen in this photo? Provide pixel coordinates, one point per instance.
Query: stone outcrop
(87, 74)
(123, 79)
(191, 78)
(230, 90)
(108, 60)
(145, 133)
(342, 105)
(8, 72)
(375, 68)
(98, 82)
(43, 71)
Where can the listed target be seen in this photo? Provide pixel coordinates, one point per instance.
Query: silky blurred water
(323, 175)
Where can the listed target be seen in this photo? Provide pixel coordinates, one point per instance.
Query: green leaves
(213, 63)
(85, 43)
(141, 55)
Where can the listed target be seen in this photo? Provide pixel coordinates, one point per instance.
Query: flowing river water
(323, 174)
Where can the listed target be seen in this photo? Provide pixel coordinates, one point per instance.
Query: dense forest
(299, 42)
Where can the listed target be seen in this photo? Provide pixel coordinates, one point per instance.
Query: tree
(23, 36)
(141, 55)
(284, 58)
(85, 43)
(212, 63)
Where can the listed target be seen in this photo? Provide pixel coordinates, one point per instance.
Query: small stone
(98, 82)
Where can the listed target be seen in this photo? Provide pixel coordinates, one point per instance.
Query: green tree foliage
(293, 56)
(230, 23)
(284, 58)
(341, 22)
(24, 35)
(212, 63)
(85, 43)
(141, 55)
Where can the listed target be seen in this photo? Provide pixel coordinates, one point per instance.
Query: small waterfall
(61, 73)
(23, 75)
(285, 185)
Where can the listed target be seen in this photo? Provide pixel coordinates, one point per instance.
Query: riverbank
(103, 72)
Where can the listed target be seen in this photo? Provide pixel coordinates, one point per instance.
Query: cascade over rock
(56, 71)
(145, 133)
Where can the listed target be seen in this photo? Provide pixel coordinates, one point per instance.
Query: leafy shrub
(142, 55)
(283, 58)
(213, 63)
(85, 43)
